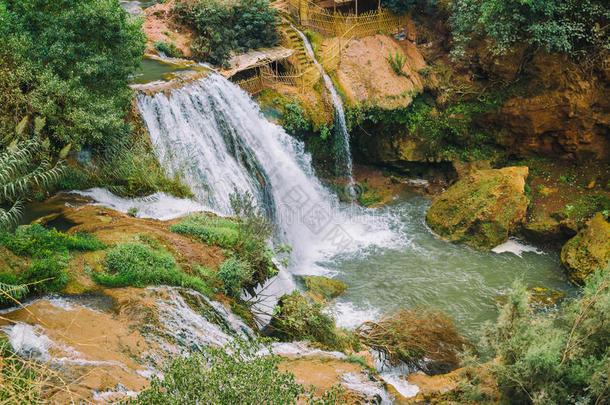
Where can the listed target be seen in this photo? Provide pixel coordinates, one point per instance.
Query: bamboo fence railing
(331, 23)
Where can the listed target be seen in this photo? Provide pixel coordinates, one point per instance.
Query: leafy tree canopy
(222, 28)
(68, 61)
(569, 26)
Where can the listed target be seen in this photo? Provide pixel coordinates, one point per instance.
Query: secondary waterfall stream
(343, 163)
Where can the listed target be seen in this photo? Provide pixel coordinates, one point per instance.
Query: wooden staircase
(303, 62)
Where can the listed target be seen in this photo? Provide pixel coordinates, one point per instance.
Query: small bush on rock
(295, 318)
(413, 336)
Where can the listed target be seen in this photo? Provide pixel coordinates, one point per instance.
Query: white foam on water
(348, 316)
(157, 206)
(28, 341)
(303, 349)
(516, 247)
(362, 384)
(400, 383)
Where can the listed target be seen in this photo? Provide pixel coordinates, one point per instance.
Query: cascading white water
(344, 155)
(213, 136)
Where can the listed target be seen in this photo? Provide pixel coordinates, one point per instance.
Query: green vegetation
(50, 251)
(234, 273)
(130, 168)
(168, 48)
(223, 27)
(405, 6)
(585, 207)
(68, 62)
(294, 121)
(558, 357)
(24, 169)
(569, 26)
(410, 336)
(237, 374)
(213, 230)
(295, 318)
(139, 265)
(368, 196)
(449, 131)
(397, 61)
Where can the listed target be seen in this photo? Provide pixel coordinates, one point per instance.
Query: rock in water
(588, 250)
(482, 209)
(325, 287)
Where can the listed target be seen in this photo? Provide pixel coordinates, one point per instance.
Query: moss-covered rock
(322, 286)
(482, 209)
(588, 250)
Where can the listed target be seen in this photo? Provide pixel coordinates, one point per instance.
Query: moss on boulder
(482, 209)
(588, 250)
(322, 286)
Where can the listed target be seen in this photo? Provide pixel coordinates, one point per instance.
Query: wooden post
(356, 10)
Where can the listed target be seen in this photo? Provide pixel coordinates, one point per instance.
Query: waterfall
(343, 154)
(214, 137)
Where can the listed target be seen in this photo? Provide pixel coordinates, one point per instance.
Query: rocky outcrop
(323, 287)
(482, 209)
(566, 115)
(588, 250)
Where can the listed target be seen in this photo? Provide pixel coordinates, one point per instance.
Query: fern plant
(10, 293)
(24, 168)
(397, 61)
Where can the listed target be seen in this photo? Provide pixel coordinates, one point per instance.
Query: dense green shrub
(168, 48)
(294, 121)
(255, 231)
(212, 230)
(558, 357)
(237, 374)
(234, 273)
(570, 26)
(405, 6)
(222, 28)
(295, 318)
(139, 265)
(130, 168)
(68, 61)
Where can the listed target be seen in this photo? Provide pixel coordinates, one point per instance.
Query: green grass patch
(38, 242)
(217, 231)
(49, 250)
(138, 265)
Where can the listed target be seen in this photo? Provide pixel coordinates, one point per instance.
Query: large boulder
(588, 250)
(323, 287)
(482, 209)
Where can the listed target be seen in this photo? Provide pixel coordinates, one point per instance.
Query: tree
(569, 26)
(68, 61)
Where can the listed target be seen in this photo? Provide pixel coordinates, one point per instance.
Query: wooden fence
(331, 23)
